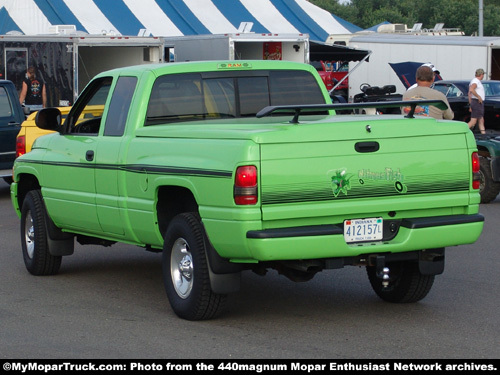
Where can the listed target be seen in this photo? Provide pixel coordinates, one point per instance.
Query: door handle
(89, 155)
(367, 147)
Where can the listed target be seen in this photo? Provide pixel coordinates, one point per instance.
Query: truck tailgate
(365, 174)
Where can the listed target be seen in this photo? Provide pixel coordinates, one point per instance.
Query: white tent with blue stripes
(171, 17)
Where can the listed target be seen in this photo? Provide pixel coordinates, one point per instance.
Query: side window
(442, 88)
(119, 106)
(494, 88)
(5, 107)
(86, 117)
(454, 91)
(491, 88)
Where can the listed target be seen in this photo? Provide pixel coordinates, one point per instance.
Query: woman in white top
(476, 101)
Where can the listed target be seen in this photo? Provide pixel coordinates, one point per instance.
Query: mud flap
(225, 277)
(224, 283)
(431, 262)
(60, 243)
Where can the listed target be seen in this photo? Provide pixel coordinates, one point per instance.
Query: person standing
(33, 93)
(434, 69)
(476, 101)
(423, 91)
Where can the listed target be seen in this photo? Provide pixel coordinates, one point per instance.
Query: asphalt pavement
(110, 303)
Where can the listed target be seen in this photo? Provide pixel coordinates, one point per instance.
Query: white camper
(239, 46)
(67, 62)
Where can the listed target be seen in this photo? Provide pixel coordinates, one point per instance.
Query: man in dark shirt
(33, 93)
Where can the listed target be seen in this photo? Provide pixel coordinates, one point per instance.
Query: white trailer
(68, 62)
(239, 46)
(456, 57)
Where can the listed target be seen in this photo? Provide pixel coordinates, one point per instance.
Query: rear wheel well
(173, 200)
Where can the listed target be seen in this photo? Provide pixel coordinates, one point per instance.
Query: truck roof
(207, 66)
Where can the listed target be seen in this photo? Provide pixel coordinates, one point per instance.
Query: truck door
(110, 195)
(9, 127)
(70, 164)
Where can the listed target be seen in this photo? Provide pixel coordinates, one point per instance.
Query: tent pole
(353, 69)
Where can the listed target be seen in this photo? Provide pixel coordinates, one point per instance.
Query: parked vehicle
(456, 92)
(331, 73)
(489, 156)
(29, 132)
(12, 114)
(230, 166)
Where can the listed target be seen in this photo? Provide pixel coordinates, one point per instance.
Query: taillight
(20, 145)
(476, 165)
(245, 185)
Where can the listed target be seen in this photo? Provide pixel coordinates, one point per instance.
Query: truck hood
(406, 72)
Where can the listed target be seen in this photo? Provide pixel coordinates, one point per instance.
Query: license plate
(362, 230)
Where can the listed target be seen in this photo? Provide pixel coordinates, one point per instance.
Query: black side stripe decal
(140, 168)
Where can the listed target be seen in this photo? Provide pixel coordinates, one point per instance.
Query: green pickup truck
(233, 166)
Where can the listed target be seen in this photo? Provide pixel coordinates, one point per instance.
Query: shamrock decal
(340, 183)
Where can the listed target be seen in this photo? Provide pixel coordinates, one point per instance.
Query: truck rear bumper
(327, 241)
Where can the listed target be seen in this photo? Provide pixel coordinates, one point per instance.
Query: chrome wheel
(29, 235)
(186, 271)
(181, 268)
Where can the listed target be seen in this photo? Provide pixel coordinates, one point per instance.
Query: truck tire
(406, 283)
(488, 188)
(34, 237)
(185, 270)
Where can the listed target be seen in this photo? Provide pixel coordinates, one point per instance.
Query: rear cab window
(217, 95)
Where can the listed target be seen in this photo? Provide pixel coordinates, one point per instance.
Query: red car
(331, 73)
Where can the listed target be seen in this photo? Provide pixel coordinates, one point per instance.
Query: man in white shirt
(476, 101)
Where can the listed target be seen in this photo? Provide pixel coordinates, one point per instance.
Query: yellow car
(29, 131)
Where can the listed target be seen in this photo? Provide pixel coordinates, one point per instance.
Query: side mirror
(49, 119)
